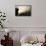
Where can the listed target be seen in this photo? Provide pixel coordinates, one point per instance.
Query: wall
(38, 18)
(13, 22)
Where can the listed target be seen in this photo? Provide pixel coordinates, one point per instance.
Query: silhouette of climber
(16, 11)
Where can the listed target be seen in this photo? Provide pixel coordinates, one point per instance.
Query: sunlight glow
(23, 9)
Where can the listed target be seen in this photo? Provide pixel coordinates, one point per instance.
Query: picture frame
(23, 10)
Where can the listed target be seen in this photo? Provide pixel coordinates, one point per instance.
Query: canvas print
(23, 10)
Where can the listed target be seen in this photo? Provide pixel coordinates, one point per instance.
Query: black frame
(23, 14)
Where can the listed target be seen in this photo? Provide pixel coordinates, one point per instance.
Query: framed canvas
(23, 10)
